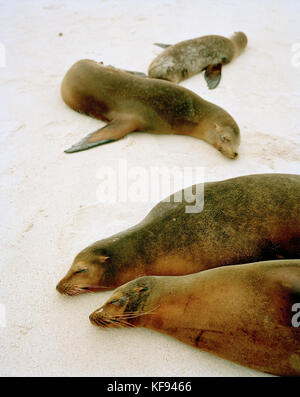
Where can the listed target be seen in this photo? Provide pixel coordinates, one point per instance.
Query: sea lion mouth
(231, 155)
(102, 319)
(95, 288)
(117, 321)
(73, 290)
(70, 290)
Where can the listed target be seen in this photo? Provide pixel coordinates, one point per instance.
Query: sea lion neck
(168, 301)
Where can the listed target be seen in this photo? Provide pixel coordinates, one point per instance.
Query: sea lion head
(165, 68)
(224, 135)
(129, 304)
(240, 41)
(92, 270)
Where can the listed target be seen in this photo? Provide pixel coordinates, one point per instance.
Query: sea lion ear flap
(218, 128)
(213, 75)
(141, 289)
(105, 259)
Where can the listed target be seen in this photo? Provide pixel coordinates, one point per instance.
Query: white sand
(48, 198)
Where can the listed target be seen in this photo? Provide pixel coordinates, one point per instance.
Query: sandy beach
(50, 207)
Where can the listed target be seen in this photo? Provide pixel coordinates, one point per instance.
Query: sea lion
(131, 103)
(242, 313)
(245, 219)
(187, 58)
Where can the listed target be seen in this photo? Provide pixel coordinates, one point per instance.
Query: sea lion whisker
(141, 313)
(124, 323)
(107, 324)
(101, 322)
(113, 322)
(150, 311)
(74, 291)
(130, 315)
(133, 315)
(125, 315)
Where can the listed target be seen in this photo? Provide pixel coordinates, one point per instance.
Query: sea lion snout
(233, 155)
(86, 274)
(94, 316)
(111, 314)
(229, 140)
(228, 152)
(126, 306)
(66, 288)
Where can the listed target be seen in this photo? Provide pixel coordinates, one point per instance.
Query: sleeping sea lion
(249, 313)
(132, 103)
(246, 219)
(187, 58)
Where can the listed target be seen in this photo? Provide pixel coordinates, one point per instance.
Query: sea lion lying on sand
(187, 58)
(245, 219)
(132, 103)
(243, 313)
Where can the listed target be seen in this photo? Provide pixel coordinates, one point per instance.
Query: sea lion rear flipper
(162, 45)
(109, 133)
(213, 75)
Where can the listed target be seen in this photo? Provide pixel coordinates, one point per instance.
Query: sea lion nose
(59, 287)
(92, 318)
(235, 154)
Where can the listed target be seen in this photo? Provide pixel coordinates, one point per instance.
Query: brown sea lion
(245, 219)
(132, 103)
(245, 313)
(187, 58)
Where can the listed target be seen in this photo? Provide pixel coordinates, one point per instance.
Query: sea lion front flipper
(213, 75)
(141, 74)
(109, 133)
(162, 45)
(84, 144)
